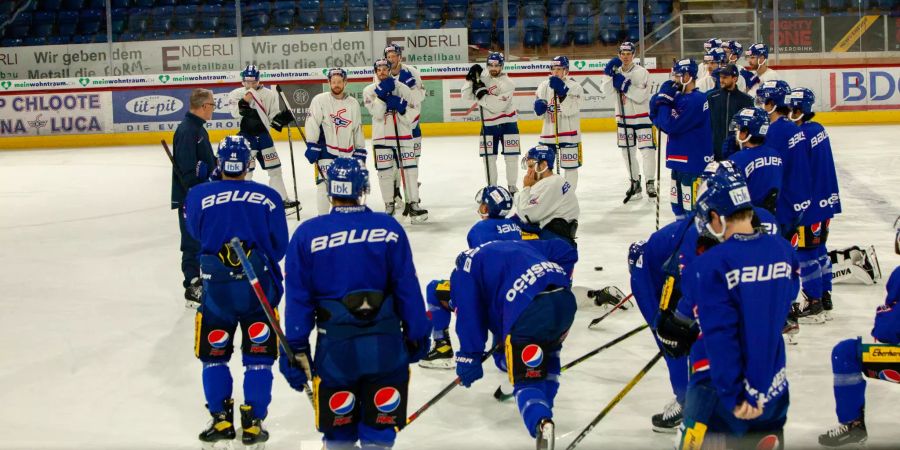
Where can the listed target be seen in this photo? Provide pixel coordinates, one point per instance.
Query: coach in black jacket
(724, 103)
(191, 146)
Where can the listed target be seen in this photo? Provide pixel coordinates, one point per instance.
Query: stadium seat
(481, 12)
(582, 30)
(457, 9)
(90, 21)
(34, 40)
(95, 4)
(304, 30)
(430, 24)
(555, 8)
(154, 36)
(308, 13)
(67, 21)
(354, 27)
(580, 9)
(480, 32)
(42, 23)
(661, 7)
(557, 32)
(208, 19)
(43, 5)
(329, 29)
(454, 24)
(535, 31)
(121, 3)
(20, 25)
(382, 13)
(787, 5)
(333, 13)
(432, 10)
(357, 13)
(184, 18)
(119, 19)
(613, 8)
(405, 26)
(58, 40)
(203, 34)
(129, 37)
(72, 5)
(812, 6)
(533, 11)
(837, 5)
(162, 19)
(11, 42)
(407, 14)
(283, 15)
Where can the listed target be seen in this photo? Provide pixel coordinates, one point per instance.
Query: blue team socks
(678, 376)
(217, 385)
(258, 388)
(849, 384)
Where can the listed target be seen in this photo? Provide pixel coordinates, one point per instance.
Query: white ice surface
(97, 347)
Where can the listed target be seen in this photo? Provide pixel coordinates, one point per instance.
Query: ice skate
(852, 434)
(440, 356)
(220, 432)
(253, 435)
(669, 420)
(545, 439)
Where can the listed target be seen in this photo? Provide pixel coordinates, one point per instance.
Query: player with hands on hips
(759, 71)
(215, 213)
(493, 92)
(531, 318)
(634, 131)
(851, 360)
(371, 321)
(547, 205)
(258, 108)
(333, 130)
(558, 103)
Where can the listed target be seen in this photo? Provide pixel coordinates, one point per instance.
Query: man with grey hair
(193, 156)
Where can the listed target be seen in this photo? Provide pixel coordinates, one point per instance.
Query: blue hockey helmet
(754, 120)
(541, 153)
(734, 47)
(636, 255)
(758, 49)
(685, 66)
(336, 71)
(498, 200)
(393, 48)
(724, 191)
(348, 178)
(233, 155)
(626, 47)
(495, 59)
(776, 91)
(250, 73)
(711, 44)
(715, 55)
(559, 61)
(802, 99)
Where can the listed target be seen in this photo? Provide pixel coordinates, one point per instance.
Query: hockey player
(371, 320)
(521, 292)
(826, 199)
(733, 52)
(394, 110)
(742, 288)
(257, 106)
(558, 103)
(411, 77)
(708, 45)
(759, 73)
(682, 112)
(631, 84)
(494, 205)
(547, 205)
(713, 60)
(215, 213)
(851, 360)
(493, 92)
(760, 164)
(333, 130)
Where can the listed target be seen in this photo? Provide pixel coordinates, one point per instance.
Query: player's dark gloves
(540, 106)
(468, 368)
(418, 349)
(559, 86)
(281, 119)
(676, 333)
(479, 89)
(474, 73)
(296, 372)
(244, 108)
(612, 66)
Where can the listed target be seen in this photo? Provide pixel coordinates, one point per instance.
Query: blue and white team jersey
(650, 270)
(689, 131)
(794, 198)
(492, 284)
(762, 168)
(887, 317)
(492, 229)
(258, 222)
(826, 199)
(743, 289)
(350, 249)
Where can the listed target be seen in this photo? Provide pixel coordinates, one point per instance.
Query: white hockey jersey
(546, 200)
(340, 121)
(383, 122)
(706, 84)
(636, 101)
(569, 113)
(498, 103)
(265, 103)
(416, 94)
(768, 75)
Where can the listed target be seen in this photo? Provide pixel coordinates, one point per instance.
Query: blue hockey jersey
(350, 249)
(252, 212)
(787, 138)
(689, 132)
(887, 317)
(826, 200)
(762, 168)
(743, 289)
(492, 284)
(493, 230)
(650, 270)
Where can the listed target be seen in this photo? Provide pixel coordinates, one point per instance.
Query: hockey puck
(598, 268)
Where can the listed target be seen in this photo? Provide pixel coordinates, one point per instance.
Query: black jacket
(723, 105)
(190, 145)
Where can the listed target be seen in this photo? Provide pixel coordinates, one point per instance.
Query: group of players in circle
(718, 285)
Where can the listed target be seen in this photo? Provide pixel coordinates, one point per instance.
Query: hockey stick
(658, 164)
(447, 389)
(296, 121)
(618, 305)
(270, 313)
(556, 128)
(290, 143)
(630, 192)
(398, 157)
(293, 171)
(174, 166)
(615, 401)
(502, 396)
(487, 170)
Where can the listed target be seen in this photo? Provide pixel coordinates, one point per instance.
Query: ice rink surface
(97, 345)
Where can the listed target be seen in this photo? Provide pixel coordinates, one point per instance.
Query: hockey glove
(666, 94)
(418, 349)
(750, 78)
(540, 106)
(395, 103)
(281, 119)
(296, 372)
(612, 66)
(202, 171)
(313, 152)
(468, 368)
(474, 73)
(675, 333)
(621, 83)
(244, 108)
(385, 87)
(559, 86)
(407, 78)
(654, 108)
(479, 89)
(360, 154)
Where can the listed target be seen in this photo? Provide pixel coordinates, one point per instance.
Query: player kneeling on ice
(215, 213)
(494, 204)
(370, 319)
(742, 288)
(851, 360)
(547, 205)
(520, 291)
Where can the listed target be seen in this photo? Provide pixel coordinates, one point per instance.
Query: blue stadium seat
(329, 29)
(533, 11)
(515, 33)
(34, 40)
(555, 8)
(787, 5)
(661, 7)
(631, 8)
(333, 13)
(42, 23)
(457, 9)
(430, 24)
(181, 34)
(480, 32)
(162, 19)
(580, 9)
(11, 42)
(129, 37)
(208, 19)
(66, 22)
(119, 19)
(90, 21)
(407, 14)
(582, 30)
(203, 34)
(557, 32)
(309, 13)
(535, 31)
(406, 26)
(614, 8)
(255, 19)
(283, 15)
(358, 13)
(183, 21)
(355, 27)
(432, 10)
(481, 12)
(154, 36)
(43, 5)
(633, 34)
(72, 5)
(382, 13)
(304, 30)
(20, 25)
(58, 40)
(812, 6)
(454, 24)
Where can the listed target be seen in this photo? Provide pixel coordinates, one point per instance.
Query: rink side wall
(144, 109)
